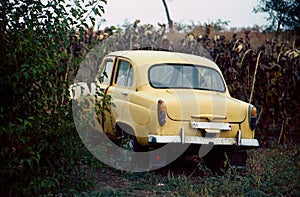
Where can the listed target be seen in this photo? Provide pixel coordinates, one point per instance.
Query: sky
(238, 12)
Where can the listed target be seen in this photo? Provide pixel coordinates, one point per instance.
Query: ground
(110, 180)
(270, 171)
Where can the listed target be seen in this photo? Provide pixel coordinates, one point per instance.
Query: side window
(106, 72)
(124, 75)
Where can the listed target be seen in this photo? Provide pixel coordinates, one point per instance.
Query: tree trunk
(278, 29)
(168, 15)
(280, 21)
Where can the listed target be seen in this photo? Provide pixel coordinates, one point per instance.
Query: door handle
(124, 94)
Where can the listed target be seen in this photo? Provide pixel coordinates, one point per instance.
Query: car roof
(142, 57)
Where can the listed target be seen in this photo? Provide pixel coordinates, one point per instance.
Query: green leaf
(85, 25)
(92, 20)
(96, 11)
(101, 8)
(76, 3)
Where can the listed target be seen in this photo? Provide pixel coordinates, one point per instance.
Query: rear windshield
(185, 76)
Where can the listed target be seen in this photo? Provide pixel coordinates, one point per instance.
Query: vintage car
(162, 97)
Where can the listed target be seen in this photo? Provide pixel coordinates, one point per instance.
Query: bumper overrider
(209, 127)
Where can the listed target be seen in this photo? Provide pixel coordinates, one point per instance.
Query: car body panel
(135, 102)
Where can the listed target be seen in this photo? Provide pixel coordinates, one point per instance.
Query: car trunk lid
(206, 105)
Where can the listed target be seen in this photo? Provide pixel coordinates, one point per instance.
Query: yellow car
(162, 97)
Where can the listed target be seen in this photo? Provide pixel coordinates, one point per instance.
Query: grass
(270, 172)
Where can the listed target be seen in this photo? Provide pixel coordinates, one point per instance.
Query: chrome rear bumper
(183, 139)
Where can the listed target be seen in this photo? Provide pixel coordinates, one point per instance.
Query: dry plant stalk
(254, 77)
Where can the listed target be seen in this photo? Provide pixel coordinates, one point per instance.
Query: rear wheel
(217, 160)
(127, 138)
(220, 160)
(238, 159)
(129, 142)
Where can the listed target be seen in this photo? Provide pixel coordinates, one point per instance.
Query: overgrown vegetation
(41, 153)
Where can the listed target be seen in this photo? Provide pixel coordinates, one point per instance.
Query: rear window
(185, 76)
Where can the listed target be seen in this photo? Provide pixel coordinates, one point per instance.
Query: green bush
(41, 152)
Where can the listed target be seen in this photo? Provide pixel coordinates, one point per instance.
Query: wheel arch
(122, 126)
(128, 128)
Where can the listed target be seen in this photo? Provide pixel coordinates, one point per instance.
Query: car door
(121, 89)
(104, 80)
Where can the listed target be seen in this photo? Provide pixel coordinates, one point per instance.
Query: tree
(220, 25)
(283, 14)
(168, 14)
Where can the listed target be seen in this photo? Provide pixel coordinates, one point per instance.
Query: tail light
(252, 114)
(161, 112)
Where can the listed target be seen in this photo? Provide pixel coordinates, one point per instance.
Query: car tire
(218, 161)
(129, 142)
